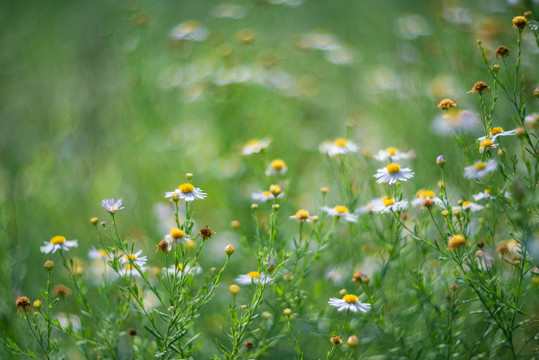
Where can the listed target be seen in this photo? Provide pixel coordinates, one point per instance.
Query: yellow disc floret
(131, 257)
(389, 202)
(479, 166)
(177, 233)
(57, 240)
(391, 151)
(186, 188)
(302, 214)
(341, 209)
(340, 142)
(496, 130)
(466, 203)
(278, 164)
(350, 298)
(393, 168)
(456, 241)
(254, 274)
(486, 143)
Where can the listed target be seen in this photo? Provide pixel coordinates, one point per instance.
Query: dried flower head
(163, 246)
(336, 340)
(427, 204)
(132, 332)
(249, 344)
(502, 51)
(479, 88)
(61, 291)
(445, 104)
(205, 233)
(23, 304)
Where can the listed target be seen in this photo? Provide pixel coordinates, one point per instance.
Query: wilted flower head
(502, 51)
(205, 233)
(519, 22)
(61, 291)
(23, 304)
(479, 88)
(445, 104)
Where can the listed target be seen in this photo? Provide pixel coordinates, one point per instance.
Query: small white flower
(349, 302)
(423, 195)
(486, 145)
(390, 205)
(483, 195)
(112, 206)
(135, 258)
(495, 132)
(189, 30)
(451, 121)
(187, 192)
(468, 205)
(180, 270)
(340, 211)
(302, 215)
(276, 167)
(254, 277)
(532, 119)
(265, 196)
(339, 146)
(371, 205)
(479, 169)
(57, 243)
(255, 146)
(393, 173)
(391, 154)
(99, 254)
(130, 270)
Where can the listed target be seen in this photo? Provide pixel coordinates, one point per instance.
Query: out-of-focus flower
(130, 270)
(182, 270)
(456, 241)
(302, 215)
(231, 11)
(390, 205)
(99, 254)
(411, 26)
(338, 146)
(254, 277)
(189, 30)
(340, 211)
(495, 132)
(58, 242)
(187, 192)
(371, 205)
(454, 120)
(468, 205)
(480, 169)
(423, 195)
(349, 302)
(265, 196)
(276, 167)
(134, 258)
(445, 104)
(532, 120)
(391, 154)
(393, 173)
(511, 251)
(486, 194)
(255, 146)
(69, 321)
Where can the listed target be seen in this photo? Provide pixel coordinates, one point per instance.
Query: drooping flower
(340, 211)
(480, 169)
(338, 146)
(187, 192)
(255, 146)
(58, 242)
(393, 173)
(253, 277)
(111, 205)
(349, 302)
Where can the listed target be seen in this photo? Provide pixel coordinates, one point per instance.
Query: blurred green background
(99, 101)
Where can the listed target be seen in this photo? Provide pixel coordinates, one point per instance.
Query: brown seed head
(23, 304)
(445, 104)
(453, 287)
(163, 246)
(336, 340)
(61, 291)
(502, 51)
(427, 204)
(205, 233)
(249, 345)
(519, 22)
(479, 88)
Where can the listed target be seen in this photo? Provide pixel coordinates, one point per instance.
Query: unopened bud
(520, 132)
(254, 206)
(445, 213)
(440, 161)
(94, 221)
(496, 68)
(234, 289)
(352, 341)
(189, 176)
(287, 312)
(275, 190)
(229, 249)
(275, 207)
(235, 224)
(37, 304)
(324, 190)
(49, 265)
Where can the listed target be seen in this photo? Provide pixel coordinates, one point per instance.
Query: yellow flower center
(254, 274)
(131, 257)
(487, 191)
(180, 267)
(496, 130)
(479, 166)
(466, 203)
(485, 143)
(428, 194)
(389, 202)
(350, 298)
(186, 188)
(341, 209)
(177, 233)
(393, 168)
(340, 142)
(266, 193)
(103, 253)
(456, 241)
(58, 240)
(391, 151)
(278, 164)
(129, 267)
(253, 142)
(302, 214)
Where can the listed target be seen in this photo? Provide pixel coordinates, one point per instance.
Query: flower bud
(176, 197)
(440, 161)
(352, 341)
(229, 249)
(234, 289)
(275, 190)
(254, 206)
(445, 213)
(37, 304)
(336, 340)
(324, 190)
(94, 221)
(49, 265)
(536, 92)
(189, 176)
(235, 224)
(287, 312)
(520, 132)
(496, 68)
(275, 207)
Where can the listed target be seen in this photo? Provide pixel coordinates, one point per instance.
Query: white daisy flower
(254, 277)
(486, 145)
(390, 205)
(187, 192)
(532, 119)
(423, 195)
(230, 11)
(99, 254)
(135, 258)
(371, 205)
(393, 173)
(479, 169)
(340, 211)
(58, 242)
(255, 146)
(302, 215)
(468, 205)
(175, 237)
(391, 154)
(112, 206)
(190, 30)
(495, 132)
(349, 302)
(276, 167)
(454, 120)
(486, 194)
(265, 196)
(130, 270)
(339, 146)
(180, 270)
